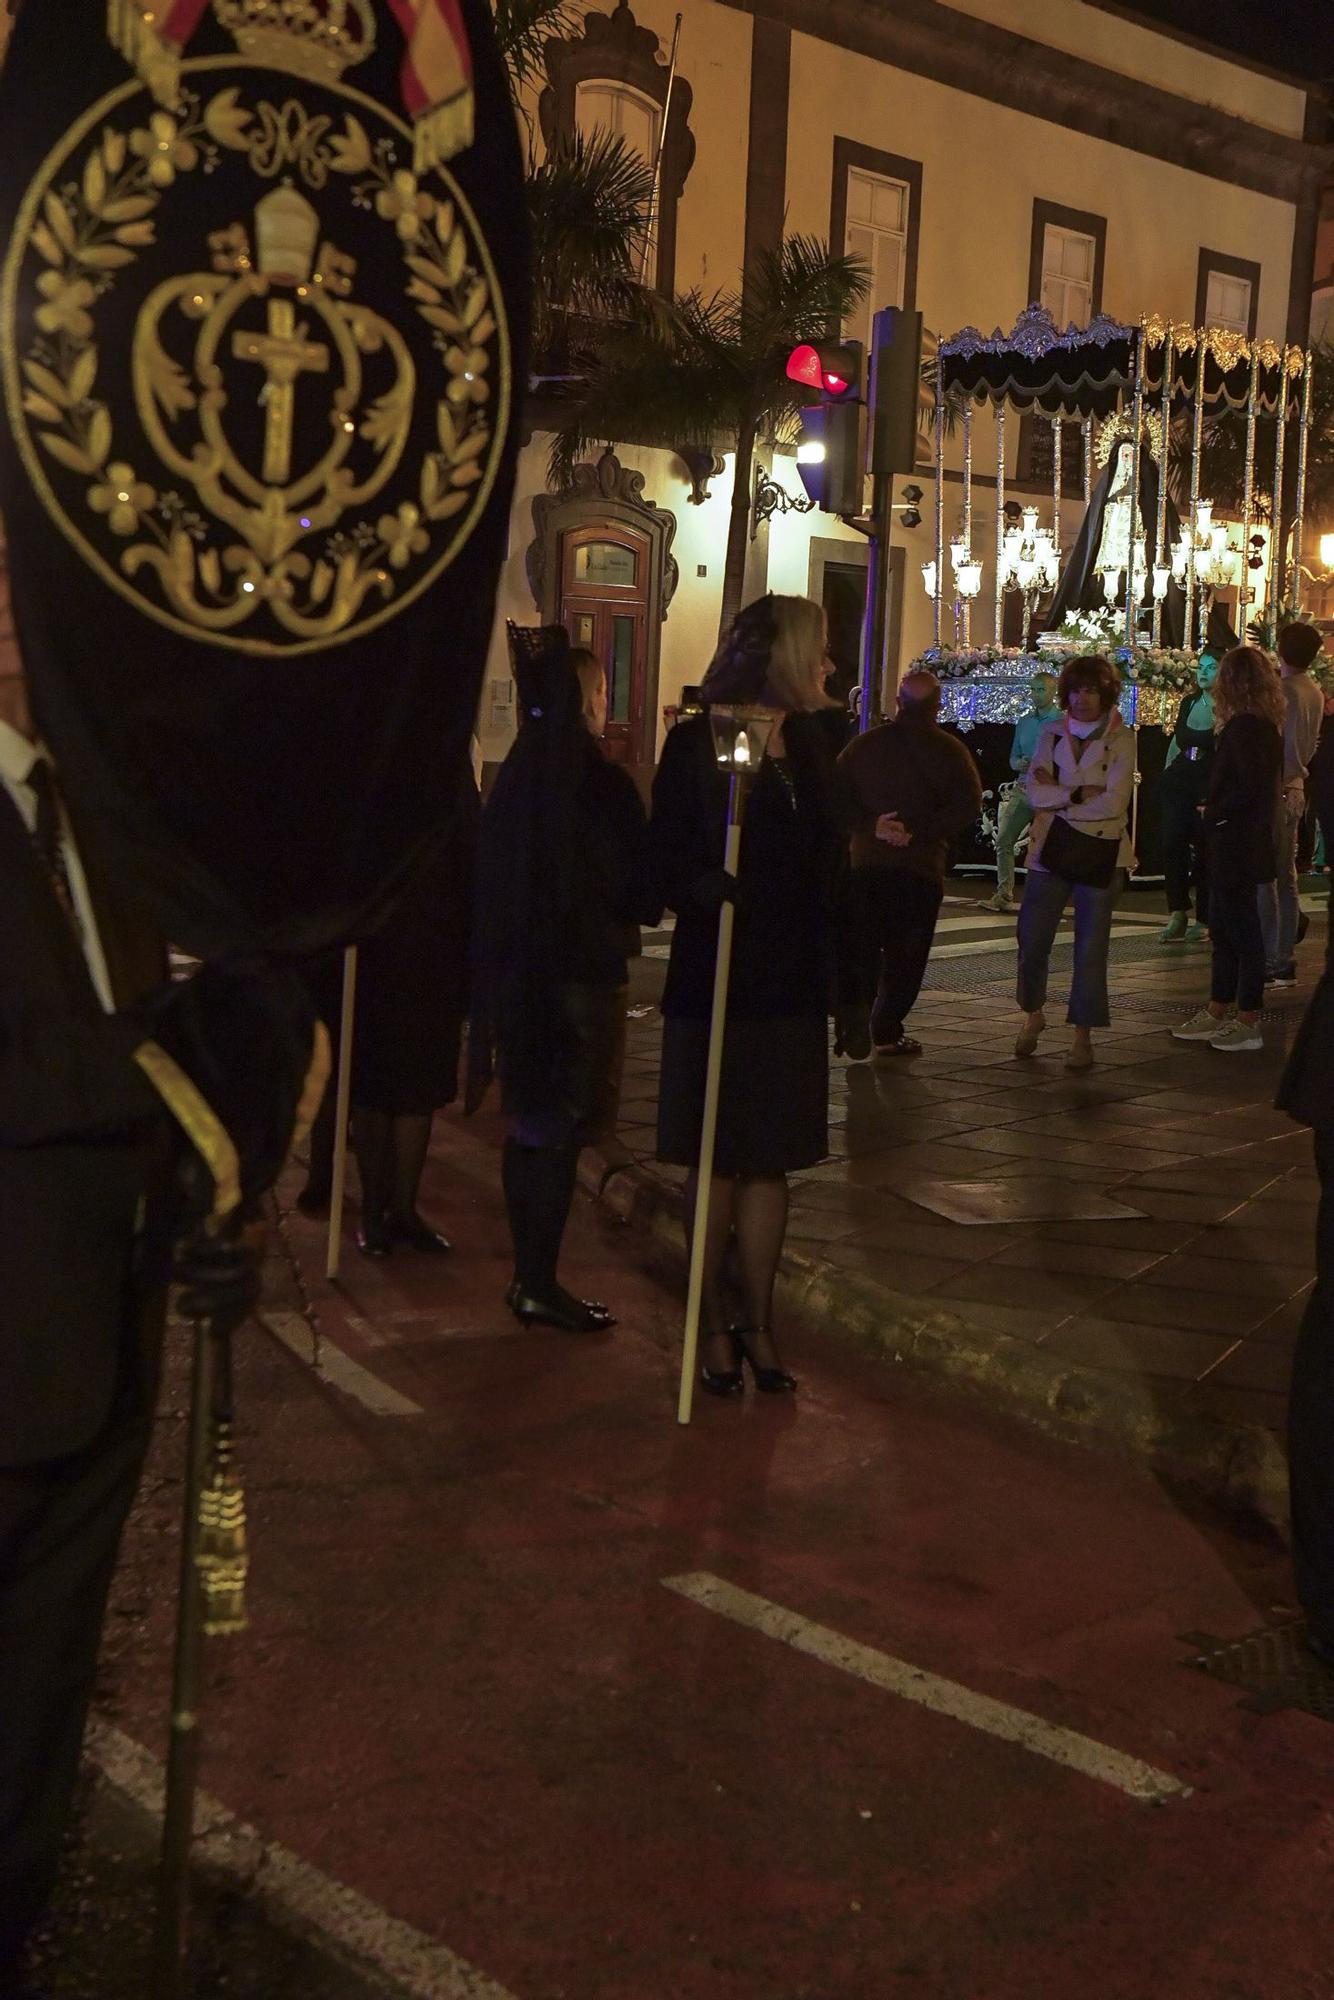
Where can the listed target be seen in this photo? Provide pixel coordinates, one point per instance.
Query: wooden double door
(604, 606)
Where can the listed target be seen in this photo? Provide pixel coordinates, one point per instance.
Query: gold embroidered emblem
(253, 452)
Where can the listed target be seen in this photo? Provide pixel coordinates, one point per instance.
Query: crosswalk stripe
(1084, 1754)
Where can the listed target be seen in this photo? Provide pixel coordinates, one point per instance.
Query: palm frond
(523, 29)
(587, 202)
(799, 291)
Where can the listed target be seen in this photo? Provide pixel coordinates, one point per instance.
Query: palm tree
(523, 29)
(588, 200)
(711, 372)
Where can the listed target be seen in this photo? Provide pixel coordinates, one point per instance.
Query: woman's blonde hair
(775, 651)
(1248, 684)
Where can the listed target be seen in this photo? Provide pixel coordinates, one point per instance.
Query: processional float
(261, 317)
(1154, 583)
(1136, 383)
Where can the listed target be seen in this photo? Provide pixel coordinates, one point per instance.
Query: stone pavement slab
(1128, 1250)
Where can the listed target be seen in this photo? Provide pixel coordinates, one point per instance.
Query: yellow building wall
(715, 61)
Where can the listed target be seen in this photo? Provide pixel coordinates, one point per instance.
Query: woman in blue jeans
(1082, 774)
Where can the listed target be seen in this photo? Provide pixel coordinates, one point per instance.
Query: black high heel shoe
(724, 1381)
(772, 1381)
(373, 1236)
(561, 1309)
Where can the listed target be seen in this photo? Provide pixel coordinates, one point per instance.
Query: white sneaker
(1201, 1027)
(1235, 1037)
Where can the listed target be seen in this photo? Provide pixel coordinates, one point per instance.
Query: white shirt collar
(17, 755)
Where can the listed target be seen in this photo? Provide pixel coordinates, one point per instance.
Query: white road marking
(292, 1892)
(340, 1369)
(1015, 1725)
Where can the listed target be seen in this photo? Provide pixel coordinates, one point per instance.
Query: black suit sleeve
(72, 1079)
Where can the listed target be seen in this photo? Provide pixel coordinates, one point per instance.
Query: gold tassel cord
(222, 1559)
(443, 131)
(198, 1121)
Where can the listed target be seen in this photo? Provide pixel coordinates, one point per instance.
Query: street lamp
(740, 740)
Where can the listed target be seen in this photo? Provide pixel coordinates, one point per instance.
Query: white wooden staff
(740, 738)
(342, 1097)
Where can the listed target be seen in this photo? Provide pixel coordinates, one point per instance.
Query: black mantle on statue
(1080, 587)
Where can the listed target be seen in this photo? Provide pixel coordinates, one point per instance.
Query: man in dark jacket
(906, 789)
(87, 1216)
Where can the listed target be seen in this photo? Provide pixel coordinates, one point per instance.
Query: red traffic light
(833, 368)
(803, 365)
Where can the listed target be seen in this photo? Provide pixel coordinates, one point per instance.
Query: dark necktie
(48, 834)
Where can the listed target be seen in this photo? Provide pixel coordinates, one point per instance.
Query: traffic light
(831, 443)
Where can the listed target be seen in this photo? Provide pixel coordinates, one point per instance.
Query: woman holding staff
(773, 1112)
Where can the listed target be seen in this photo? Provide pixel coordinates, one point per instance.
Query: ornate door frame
(608, 492)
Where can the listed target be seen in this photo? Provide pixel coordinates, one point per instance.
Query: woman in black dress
(1240, 813)
(773, 1111)
(411, 1002)
(562, 881)
(1185, 781)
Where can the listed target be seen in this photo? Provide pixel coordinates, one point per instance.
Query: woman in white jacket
(1080, 785)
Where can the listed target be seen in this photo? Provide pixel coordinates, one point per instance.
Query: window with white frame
(878, 214)
(1069, 266)
(603, 106)
(1227, 302)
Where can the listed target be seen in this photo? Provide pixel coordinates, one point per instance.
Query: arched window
(614, 78)
(601, 105)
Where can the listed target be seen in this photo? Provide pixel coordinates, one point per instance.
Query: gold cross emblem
(284, 353)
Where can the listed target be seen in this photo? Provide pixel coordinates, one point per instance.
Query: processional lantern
(740, 738)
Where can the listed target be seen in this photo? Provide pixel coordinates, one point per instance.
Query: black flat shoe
(314, 1198)
(418, 1235)
(771, 1381)
(373, 1237)
(561, 1310)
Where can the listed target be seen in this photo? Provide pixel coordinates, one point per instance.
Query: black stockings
(539, 1188)
(391, 1152)
(757, 1211)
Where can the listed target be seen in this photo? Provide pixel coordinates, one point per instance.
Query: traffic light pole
(896, 349)
(875, 621)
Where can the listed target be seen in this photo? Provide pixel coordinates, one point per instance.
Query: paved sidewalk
(1140, 1245)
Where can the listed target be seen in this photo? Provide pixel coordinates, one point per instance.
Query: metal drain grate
(1272, 1665)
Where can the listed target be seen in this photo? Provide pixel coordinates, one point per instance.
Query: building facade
(978, 156)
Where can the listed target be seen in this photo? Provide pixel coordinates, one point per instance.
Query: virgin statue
(1103, 543)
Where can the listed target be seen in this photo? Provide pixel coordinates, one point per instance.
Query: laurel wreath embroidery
(96, 226)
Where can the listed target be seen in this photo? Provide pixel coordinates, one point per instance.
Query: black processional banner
(261, 330)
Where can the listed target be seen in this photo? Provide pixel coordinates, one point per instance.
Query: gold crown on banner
(313, 39)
